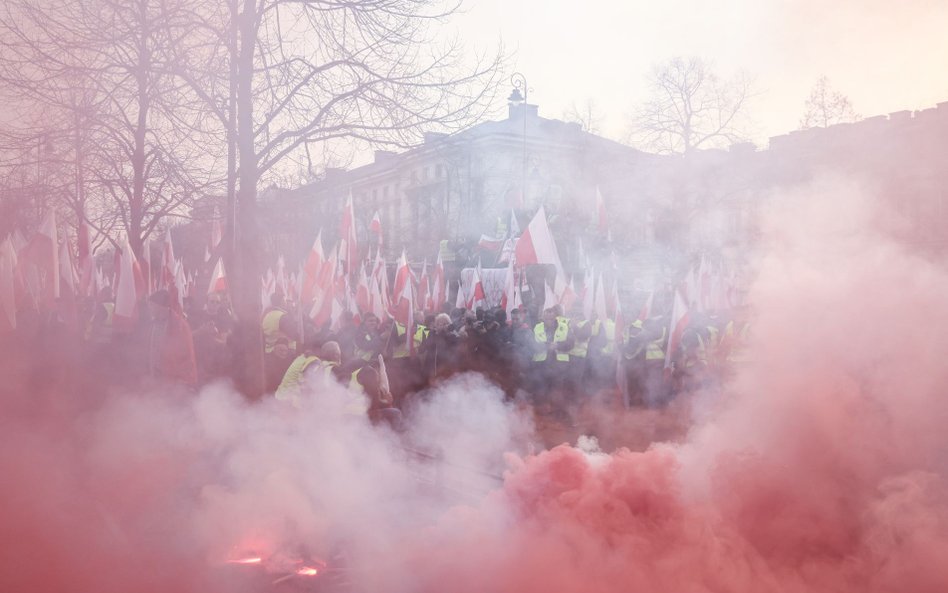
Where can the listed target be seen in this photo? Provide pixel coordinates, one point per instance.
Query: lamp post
(519, 82)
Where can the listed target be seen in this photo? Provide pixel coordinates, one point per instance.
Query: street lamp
(519, 82)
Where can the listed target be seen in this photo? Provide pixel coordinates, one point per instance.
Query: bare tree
(96, 68)
(296, 74)
(587, 115)
(826, 106)
(691, 107)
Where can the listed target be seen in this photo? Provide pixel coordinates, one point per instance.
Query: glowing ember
(307, 571)
(253, 560)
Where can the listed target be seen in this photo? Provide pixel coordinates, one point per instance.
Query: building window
(439, 171)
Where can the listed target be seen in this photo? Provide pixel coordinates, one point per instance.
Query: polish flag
(679, 321)
(324, 289)
(280, 281)
(404, 307)
(127, 291)
(8, 283)
(549, 299)
(168, 264)
(460, 301)
(478, 295)
(218, 278)
(314, 263)
(378, 306)
(512, 299)
(424, 288)
(348, 247)
(217, 232)
(363, 297)
(567, 295)
(438, 286)
(536, 245)
(646, 310)
(375, 227)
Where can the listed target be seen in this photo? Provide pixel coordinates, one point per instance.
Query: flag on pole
(218, 278)
(549, 299)
(311, 270)
(126, 293)
(679, 321)
(514, 230)
(477, 294)
(460, 301)
(348, 247)
(438, 286)
(404, 308)
(167, 276)
(375, 227)
(646, 310)
(536, 245)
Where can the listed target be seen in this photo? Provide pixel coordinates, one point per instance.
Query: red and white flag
(8, 285)
(218, 278)
(567, 295)
(512, 299)
(404, 307)
(375, 227)
(536, 245)
(460, 301)
(646, 310)
(549, 299)
(217, 234)
(477, 296)
(678, 324)
(424, 288)
(127, 288)
(348, 246)
(314, 265)
(166, 277)
(438, 286)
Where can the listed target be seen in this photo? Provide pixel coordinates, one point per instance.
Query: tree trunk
(243, 270)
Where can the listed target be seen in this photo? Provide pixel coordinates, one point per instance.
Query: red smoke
(820, 469)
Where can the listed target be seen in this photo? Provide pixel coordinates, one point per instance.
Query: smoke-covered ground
(820, 468)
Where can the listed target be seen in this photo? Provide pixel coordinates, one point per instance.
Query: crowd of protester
(553, 359)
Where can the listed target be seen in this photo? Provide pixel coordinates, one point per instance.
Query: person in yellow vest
(552, 344)
(279, 342)
(293, 386)
(368, 342)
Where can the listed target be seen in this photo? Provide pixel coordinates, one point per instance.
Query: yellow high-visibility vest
(539, 334)
(656, 348)
(292, 383)
(272, 332)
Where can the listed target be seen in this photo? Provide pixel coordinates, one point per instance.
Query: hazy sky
(885, 55)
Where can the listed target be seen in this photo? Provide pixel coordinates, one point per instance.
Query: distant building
(461, 186)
